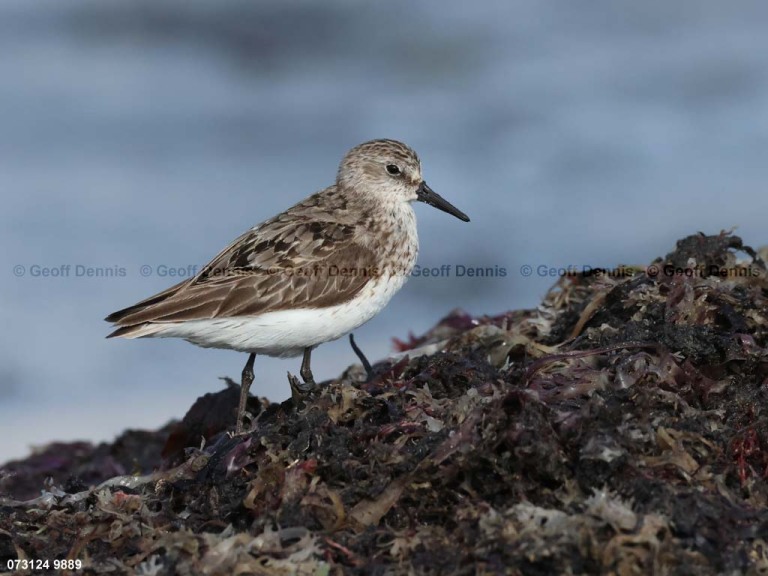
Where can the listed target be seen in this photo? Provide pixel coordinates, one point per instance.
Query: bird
(309, 275)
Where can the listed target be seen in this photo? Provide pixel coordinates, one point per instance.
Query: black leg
(361, 357)
(306, 371)
(245, 385)
(298, 390)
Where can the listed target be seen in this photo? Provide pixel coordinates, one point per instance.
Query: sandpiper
(306, 276)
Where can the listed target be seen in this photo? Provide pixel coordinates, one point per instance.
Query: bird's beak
(428, 196)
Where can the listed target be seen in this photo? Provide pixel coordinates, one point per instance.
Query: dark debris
(620, 428)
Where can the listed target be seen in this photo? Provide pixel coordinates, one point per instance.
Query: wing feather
(302, 258)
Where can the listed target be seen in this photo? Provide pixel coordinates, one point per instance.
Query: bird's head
(389, 171)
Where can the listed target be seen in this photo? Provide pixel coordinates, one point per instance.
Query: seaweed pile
(620, 428)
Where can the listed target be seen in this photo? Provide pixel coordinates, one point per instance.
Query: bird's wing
(302, 258)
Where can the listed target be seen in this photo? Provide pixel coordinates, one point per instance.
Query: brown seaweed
(619, 428)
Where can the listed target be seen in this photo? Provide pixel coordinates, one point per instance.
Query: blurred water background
(149, 133)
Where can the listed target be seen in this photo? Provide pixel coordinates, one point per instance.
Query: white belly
(287, 333)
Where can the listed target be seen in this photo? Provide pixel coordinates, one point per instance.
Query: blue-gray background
(152, 133)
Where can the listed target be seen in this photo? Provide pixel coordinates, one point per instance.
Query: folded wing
(299, 259)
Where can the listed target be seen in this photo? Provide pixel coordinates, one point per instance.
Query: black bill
(428, 196)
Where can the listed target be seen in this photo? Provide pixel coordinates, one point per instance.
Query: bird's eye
(393, 169)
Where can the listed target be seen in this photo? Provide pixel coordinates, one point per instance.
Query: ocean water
(138, 138)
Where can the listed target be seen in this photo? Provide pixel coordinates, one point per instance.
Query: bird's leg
(299, 390)
(306, 371)
(245, 385)
(362, 358)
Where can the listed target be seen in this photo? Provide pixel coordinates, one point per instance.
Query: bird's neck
(392, 232)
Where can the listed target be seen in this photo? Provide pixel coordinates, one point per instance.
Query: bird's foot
(243, 426)
(299, 389)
